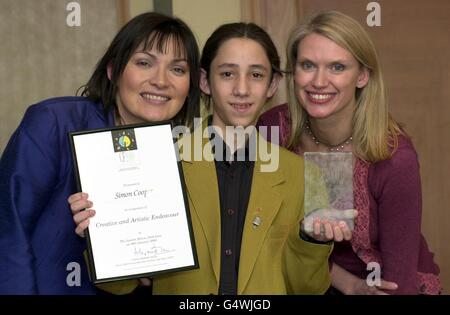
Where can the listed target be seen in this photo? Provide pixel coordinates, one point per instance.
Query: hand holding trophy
(325, 224)
(329, 213)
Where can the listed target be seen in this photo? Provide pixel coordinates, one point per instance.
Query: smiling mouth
(154, 97)
(320, 98)
(241, 107)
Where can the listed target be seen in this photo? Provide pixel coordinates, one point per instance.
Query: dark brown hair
(152, 30)
(239, 30)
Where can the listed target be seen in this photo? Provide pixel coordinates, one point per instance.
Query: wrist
(356, 286)
(343, 281)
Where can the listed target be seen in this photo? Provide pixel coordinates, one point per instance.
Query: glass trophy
(328, 188)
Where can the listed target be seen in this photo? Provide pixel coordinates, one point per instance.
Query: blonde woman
(338, 103)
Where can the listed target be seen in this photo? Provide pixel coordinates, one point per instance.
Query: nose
(241, 87)
(159, 78)
(320, 79)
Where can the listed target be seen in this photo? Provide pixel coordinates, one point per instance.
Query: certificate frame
(149, 253)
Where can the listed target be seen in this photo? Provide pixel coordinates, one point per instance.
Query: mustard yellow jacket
(273, 258)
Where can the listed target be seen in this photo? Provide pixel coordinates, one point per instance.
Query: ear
(109, 71)
(273, 87)
(363, 78)
(204, 85)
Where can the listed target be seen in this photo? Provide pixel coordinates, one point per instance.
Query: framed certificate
(142, 226)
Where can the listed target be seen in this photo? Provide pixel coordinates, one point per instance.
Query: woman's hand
(79, 202)
(349, 284)
(330, 224)
(360, 287)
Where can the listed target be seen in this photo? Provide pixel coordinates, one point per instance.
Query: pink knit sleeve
(395, 185)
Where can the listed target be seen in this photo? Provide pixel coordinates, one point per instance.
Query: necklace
(332, 148)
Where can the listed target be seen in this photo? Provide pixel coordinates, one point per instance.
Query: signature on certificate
(153, 251)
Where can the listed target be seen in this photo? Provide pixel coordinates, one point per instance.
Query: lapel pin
(256, 222)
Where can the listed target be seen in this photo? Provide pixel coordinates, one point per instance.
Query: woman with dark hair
(245, 217)
(150, 72)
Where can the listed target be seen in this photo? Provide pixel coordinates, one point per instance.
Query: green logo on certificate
(124, 140)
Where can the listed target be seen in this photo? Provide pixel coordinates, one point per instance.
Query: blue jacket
(39, 250)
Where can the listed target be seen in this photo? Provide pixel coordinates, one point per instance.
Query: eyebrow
(234, 65)
(332, 62)
(155, 57)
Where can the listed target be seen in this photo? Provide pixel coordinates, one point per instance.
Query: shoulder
(275, 158)
(398, 172)
(405, 148)
(61, 105)
(69, 110)
(286, 157)
(291, 165)
(47, 123)
(274, 115)
(290, 158)
(403, 158)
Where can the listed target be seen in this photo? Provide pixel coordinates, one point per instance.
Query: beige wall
(204, 16)
(140, 6)
(42, 57)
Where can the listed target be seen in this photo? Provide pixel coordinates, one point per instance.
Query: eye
(257, 75)
(306, 65)
(144, 63)
(179, 70)
(226, 74)
(337, 67)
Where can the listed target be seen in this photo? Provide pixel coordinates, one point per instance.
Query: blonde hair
(375, 132)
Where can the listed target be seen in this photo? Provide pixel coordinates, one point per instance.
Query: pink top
(388, 198)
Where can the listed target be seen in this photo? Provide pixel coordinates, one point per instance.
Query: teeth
(241, 106)
(154, 97)
(320, 97)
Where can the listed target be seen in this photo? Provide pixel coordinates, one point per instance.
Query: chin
(315, 112)
(243, 123)
(318, 116)
(156, 117)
